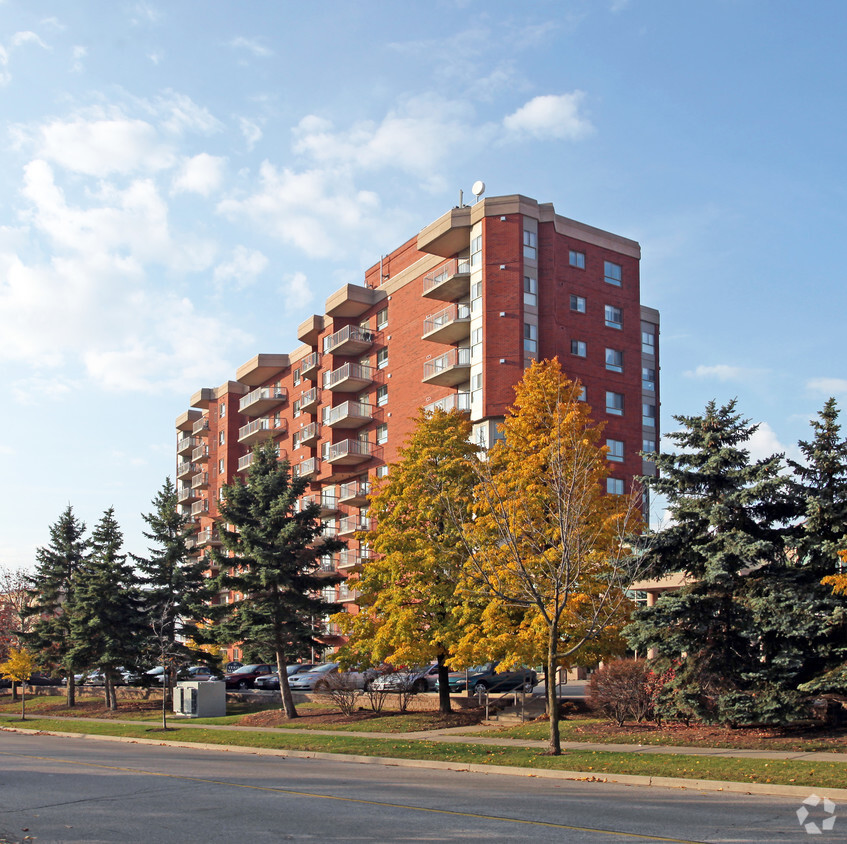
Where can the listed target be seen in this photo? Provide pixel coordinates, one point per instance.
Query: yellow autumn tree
(548, 547)
(838, 582)
(18, 668)
(407, 594)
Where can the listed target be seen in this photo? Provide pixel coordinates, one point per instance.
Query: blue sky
(181, 184)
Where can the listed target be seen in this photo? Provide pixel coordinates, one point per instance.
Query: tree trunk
(14, 691)
(113, 697)
(554, 747)
(71, 688)
(284, 689)
(444, 705)
(107, 688)
(23, 701)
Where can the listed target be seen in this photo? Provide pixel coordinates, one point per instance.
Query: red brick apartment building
(449, 319)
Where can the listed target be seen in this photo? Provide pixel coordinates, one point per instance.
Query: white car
(309, 681)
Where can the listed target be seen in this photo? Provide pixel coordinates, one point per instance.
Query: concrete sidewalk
(465, 735)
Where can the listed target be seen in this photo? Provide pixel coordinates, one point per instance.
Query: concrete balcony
(328, 503)
(208, 536)
(186, 469)
(350, 414)
(261, 429)
(307, 468)
(349, 378)
(201, 427)
(455, 401)
(200, 454)
(185, 421)
(350, 452)
(448, 369)
(449, 234)
(261, 369)
(310, 365)
(200, 507)
(350, 525)
(352, 300)
(260, 401)
(310, 434)
(350, 341)
(448, 326)
(186, 444)
(309, 331)
(354, 493)
(186, 494)
(245, 462)
(200, 481)
(309, 400)
(449, 282)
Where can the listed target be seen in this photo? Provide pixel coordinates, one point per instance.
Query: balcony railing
(262, 400)
(310, 434)
(351, 524)
(349, 378)
(307, 468)
(448, 326)
(455, 401)
(449, 282)
(350, 414)
(200, 480)
(349, 452)
(350, 340)
(310, 364)
(200, 454)
(245, 462)
(199, 507)
(207, 536)
(261, 429)
(186, 468)
(201, 426)
(185, 494)
(309, 400)
(187, 443)
(448, 369)
(354, 493)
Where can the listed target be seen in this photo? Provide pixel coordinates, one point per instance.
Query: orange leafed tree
(838, 582)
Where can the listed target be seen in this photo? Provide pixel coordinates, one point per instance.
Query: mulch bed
(331, 717)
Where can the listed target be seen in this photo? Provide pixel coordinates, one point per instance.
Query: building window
(381, 471)
(221, 437)
(530, 291)
(648, 415)
(615, 451)
(648, 343)
(614, 317)
(576, 259)
(382, 359)
(325, 447)
(476, 251)
(530, 245)
(612, 273)
(295, 440)
(648, 378)
(222, 410)
(295, 407)
(614, 360)
(382, 434)
(614, 403)
(583, 394)
(614, 486)
(382, 318)
(578, 304)
(296, 377)
(579, 348)
(530, 338)
(381, 395)
(648, 446)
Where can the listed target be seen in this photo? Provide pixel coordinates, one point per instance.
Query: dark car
(487, 677)
(245, 677)
(271, 681)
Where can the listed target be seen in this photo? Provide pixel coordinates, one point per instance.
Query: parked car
(271, 681)
(417, 678)
(200, 672)
(245, 677)
(487, 677)
(312, 680)
(122, 677)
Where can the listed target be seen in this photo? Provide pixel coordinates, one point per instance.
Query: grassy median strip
(593, 763)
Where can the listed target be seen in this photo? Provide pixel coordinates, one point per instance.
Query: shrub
(621, 690)
(341, 690)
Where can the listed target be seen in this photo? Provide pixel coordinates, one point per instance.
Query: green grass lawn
(593, 763)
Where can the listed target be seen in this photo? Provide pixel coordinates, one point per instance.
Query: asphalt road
(76, 790)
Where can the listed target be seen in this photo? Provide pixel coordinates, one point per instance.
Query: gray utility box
(200, 698)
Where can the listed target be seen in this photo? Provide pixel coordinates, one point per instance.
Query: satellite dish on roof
(478, 189)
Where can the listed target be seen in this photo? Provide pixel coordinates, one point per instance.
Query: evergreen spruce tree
(273, 566)
(727, 522)
(107, 625)
(53, 597)
(175, 590)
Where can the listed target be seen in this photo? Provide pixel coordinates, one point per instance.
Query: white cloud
(551, 116)
(240, 272)
(251, 44)
(41, 389)
(78, 54)
(201, 174)
(156, 57)
(723, 372)
(252, 132)
(141, 13)
(296, 290)
(764, 443)
(181, 113)
(312, 210)
(828, 386)
(19, 39)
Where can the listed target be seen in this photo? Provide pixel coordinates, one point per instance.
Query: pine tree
(273, 566)
(175, 590)
(53, 597)
(408, 594)
(727, 516)
(107, 625)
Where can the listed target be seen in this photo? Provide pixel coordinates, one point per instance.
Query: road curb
(730, 787)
